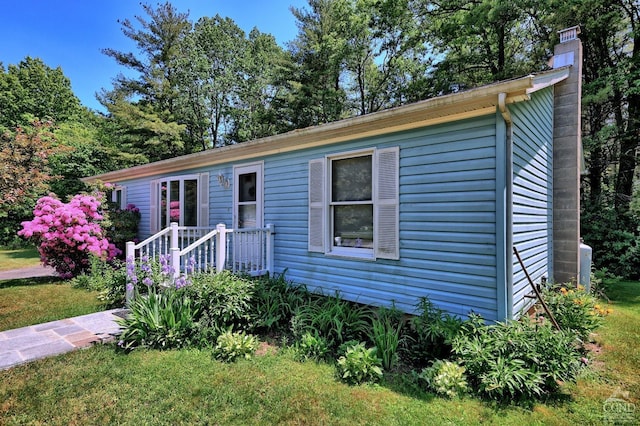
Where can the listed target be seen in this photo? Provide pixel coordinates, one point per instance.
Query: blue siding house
(426, 199)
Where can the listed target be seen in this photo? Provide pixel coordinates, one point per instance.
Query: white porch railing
(197, 249)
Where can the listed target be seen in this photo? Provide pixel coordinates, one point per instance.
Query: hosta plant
(446, 378)
(359, 365)
(311, 346)
(232, 345)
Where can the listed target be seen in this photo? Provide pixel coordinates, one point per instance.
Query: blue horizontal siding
(447, 220)
(532, 202)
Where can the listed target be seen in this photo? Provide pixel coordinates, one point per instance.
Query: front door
(247, 211)
(247, 215)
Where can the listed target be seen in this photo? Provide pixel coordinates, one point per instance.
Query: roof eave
(442, 109)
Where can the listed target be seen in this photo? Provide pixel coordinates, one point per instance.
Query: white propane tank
(585, 266)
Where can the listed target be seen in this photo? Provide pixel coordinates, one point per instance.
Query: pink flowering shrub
(67, 233)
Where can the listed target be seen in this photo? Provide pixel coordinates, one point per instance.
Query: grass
(99, 385)
(32, 301)
(21, 258)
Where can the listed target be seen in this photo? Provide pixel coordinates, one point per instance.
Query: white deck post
(221, 246)
(130, 255)
(174, 250)
(271, 233)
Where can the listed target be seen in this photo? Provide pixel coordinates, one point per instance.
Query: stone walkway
(27, 344)
(29, 272)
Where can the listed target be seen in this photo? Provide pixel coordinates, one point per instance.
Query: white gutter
(506, 115)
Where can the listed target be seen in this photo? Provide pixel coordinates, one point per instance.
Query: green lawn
(188, 386)
(36, 300)
(21, 258)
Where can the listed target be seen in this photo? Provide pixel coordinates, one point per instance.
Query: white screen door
(247, 214)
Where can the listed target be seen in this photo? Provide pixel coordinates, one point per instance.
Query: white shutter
(386, 204)
(316, 205)
(203, 199)
(123, 197)
(153, 207)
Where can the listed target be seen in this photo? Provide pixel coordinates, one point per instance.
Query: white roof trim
(549, 78)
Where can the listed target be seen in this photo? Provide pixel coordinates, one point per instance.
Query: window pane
(163, 204)
(351, 179)
(118, 198)
(247, 216)
(190, 203)
(174, 201)
(353, 226)
(247, 187)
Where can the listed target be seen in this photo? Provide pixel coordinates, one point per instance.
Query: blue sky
(71, 33)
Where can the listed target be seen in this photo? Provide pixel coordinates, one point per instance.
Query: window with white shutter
(316, 205)
(353, 204)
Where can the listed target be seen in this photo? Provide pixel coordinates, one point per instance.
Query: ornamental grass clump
(66, 234)
(162, 319)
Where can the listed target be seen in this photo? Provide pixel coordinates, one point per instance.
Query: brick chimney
(567, 158)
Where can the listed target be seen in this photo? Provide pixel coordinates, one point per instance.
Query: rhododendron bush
(67, 233)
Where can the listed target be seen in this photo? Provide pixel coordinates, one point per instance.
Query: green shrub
(232, 345)
(430, 335)
(359, 365)
(615, 239)
(224, 298)
(575, 310)
(274, 302)
(107, 278)
(386, 334)
(159, 320)
(516, 360)
(123, 224)
(445, 378)
(311, 347)
(333, 318)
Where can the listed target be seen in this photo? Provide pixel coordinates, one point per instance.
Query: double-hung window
(353, 204)
(180, 199)
(119, 196)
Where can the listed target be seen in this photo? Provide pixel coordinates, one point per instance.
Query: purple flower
(147, 281)
(129, 287)
(182, 282)
(166, 268)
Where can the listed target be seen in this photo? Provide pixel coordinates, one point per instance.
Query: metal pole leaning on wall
(535, 289)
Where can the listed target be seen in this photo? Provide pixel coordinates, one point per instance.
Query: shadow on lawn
(624, 293)
(24, 282)
(28, 253)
